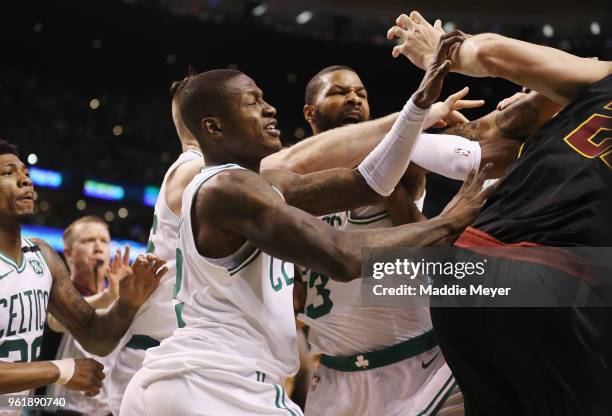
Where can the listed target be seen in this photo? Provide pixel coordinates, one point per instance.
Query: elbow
(346, 263)
(99, 348)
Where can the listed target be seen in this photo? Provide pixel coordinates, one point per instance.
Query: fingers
(404, 22)
(442, 71)
(417, 18)
(440, 124)
(483, 175)
(455, 117)
(126, 255)
(396, 32)
(397, 50)
(447, 41)
(438, 25)
(161, 272)
(453, 98)
(463, 104)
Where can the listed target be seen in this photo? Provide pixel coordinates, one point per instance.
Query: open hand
(446, 113)
(138, 285)
(418, 39)
(119, 269)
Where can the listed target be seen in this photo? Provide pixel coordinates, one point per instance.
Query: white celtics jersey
(234, 313)
(340, 324)
(24, 295)
(156, 317)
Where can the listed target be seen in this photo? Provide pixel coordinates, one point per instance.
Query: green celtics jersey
(24, 295)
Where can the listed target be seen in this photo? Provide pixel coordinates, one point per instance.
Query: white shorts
(400, 389)
(206, 392)
(127, 363)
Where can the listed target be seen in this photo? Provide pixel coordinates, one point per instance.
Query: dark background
(58, 55)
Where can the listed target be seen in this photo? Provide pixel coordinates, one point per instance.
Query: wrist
(125, 307)
(65, 370)
(419, 99)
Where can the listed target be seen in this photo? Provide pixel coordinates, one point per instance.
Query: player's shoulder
(53, 259)
(232, 191)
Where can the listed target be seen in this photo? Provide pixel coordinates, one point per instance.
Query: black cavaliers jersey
(559, 192)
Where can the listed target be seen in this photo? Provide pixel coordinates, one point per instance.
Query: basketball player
(34, 278)
(405, 372)
(236, 336)
(156, 319)
(542, 361)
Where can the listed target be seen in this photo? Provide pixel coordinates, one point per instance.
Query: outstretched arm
(378, 174)
(99, 331)
(552, 72)
(242, 203)
(347, 146)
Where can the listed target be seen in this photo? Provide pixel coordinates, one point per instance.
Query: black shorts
(534, 361)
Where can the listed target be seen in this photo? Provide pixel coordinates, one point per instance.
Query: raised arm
(244, 204)
(552, 72)
(99, 331)
(378, 174)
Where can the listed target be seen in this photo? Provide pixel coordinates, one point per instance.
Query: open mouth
(271, 129)
(352, 116)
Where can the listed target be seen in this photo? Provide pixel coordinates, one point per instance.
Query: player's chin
(25, 215)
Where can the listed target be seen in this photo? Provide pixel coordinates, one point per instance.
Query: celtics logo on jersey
(36, 266)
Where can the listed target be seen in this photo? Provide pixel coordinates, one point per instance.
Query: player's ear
(309, 113)
(212, 127)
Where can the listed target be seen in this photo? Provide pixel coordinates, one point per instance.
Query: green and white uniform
(24, 295)
(155, 320)
(375, 359)
(236, 341)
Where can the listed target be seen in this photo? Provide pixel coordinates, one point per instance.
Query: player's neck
(212, 160)
(10, 240)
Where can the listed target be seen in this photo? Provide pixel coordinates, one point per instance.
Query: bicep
(324, 192)
(255, 211)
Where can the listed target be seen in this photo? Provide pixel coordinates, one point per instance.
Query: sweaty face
(249, 129)
(91, 247)
(342, 100)
(16, 190)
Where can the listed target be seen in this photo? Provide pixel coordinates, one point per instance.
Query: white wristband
(383, 168)
(66, 369)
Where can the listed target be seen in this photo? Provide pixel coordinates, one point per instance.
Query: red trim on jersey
(554, 257)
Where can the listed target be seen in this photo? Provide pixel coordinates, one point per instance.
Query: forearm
(341, 147)
(102, 299)
(106, 328)
(17, 377)
(552, 72)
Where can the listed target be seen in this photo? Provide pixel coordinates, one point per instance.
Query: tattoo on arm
(471, 130)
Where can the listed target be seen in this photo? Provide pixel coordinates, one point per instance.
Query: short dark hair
(177, 86)
(69, 237)
(316, 83)
(203, 95)
(7, 148)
